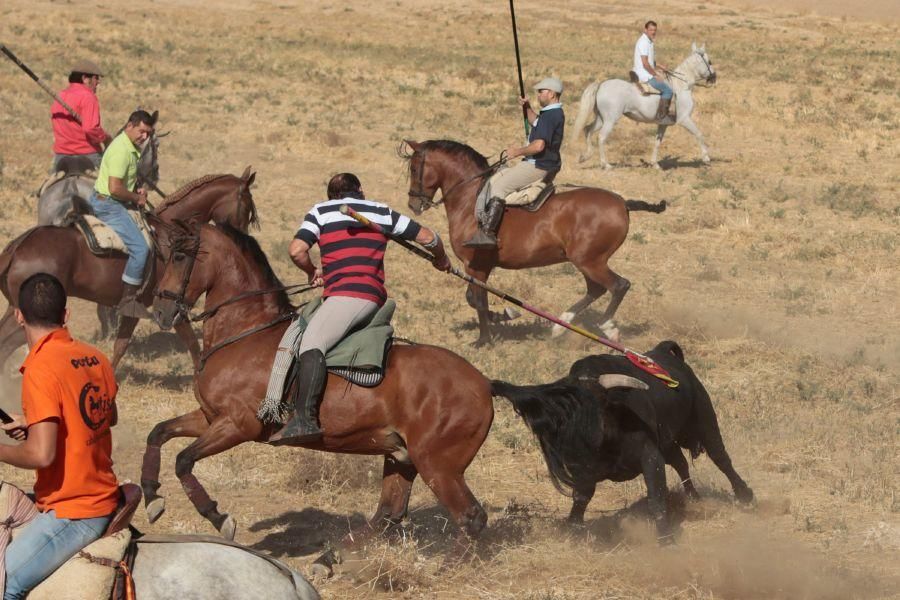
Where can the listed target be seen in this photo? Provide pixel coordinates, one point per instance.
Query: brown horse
(429, 416)
(62, 251)
(584, 226)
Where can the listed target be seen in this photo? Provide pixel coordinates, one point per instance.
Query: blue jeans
(662, 87)
(43, 546)
(116, 216)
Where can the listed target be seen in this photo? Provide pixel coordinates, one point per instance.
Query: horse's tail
(587, 113)
(637, 205)
(6, 258)
(565, 419)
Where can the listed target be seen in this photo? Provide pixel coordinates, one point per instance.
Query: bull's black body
(590, 434)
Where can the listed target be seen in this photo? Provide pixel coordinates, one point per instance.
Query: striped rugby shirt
(352, 254)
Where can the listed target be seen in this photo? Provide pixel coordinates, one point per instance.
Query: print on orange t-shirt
(73, 383)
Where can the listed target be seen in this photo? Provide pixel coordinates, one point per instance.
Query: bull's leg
(396, 485)
(711, 438)
(580, 499)
(123, 338)
(675, 458)
(191, 424)
(654, 469)
(186, 333)
(221, 435)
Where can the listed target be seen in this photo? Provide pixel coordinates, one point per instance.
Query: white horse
(613, 98)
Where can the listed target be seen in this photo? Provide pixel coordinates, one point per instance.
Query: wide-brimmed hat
(87, 67)
(550, 83)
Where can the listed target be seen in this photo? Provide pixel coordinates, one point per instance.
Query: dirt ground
(775, 267)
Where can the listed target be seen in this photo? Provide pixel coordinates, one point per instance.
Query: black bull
(590, 433)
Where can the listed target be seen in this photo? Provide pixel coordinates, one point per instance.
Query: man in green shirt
(113, 191)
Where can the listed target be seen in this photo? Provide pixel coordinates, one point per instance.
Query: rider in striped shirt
(352, 272)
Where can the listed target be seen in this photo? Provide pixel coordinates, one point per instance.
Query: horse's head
(238, 208)
(179, 286)
(423, 182)
(148, 163)
(702, 65)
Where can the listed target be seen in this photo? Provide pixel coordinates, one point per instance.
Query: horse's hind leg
(594, 291)
(675, 458)
(660, 133)
(191, 424)
(108, 318)
(221, 435)
(605, 130)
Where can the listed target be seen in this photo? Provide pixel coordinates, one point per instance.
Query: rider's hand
(512, 152)
(142, 196)
(316, 279)
(523, 102)
(442, 263)
(17, 429)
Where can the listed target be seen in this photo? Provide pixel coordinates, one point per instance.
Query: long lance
(43, 85)
(641, 361)
(512, 12)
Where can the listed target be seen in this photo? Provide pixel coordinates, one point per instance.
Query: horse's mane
(187, 188)
(457, 149)
(248, 245)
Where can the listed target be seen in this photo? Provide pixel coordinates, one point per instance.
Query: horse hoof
(228, 528)
(155, 509)
(607, 166)
(657, 167)
(558, 330)
(610, 330)
(511, 313)
(706, 160)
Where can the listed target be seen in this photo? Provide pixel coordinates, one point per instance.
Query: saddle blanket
(100, 237)
(360, 358)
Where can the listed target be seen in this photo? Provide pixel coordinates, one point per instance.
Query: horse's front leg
(191, 424)
(660, 132)
(221, 435)
(688, 124)
(477, 299)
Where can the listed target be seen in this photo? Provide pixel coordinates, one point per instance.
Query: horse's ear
(246, 173)
(693, 46)
(154, 117)
(250, 180)
(703, 48)
(412, 144)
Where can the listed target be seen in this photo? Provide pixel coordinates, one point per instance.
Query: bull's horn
(611, 380)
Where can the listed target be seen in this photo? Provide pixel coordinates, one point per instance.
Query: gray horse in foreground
(201, 569)
(602, 104)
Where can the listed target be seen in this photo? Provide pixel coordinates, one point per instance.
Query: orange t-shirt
(73, 382)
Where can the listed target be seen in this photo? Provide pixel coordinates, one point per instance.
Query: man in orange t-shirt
(68, 400)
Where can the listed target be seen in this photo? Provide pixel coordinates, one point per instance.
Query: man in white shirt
(648, 71)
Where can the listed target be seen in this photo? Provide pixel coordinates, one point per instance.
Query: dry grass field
(775, 267)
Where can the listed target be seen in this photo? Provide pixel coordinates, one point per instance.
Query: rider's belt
(101, 196)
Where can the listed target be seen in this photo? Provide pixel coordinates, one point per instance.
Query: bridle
(183, 309)
(427, 200)
(709, 71)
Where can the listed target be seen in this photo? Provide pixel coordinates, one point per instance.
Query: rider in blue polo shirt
(541, 156)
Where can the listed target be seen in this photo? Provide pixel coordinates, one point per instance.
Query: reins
(429, 202)
(298, 288)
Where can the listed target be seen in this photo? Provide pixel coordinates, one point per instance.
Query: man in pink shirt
(73, 139)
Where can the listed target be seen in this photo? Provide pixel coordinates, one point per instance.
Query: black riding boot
(130, 306)
(663, 111)
(304, 425)
(486, 236)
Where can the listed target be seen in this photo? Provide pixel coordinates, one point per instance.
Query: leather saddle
(644, 88)
(533, 197)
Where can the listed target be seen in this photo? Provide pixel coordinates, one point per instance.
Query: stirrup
(296, 432)
(481, 240)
